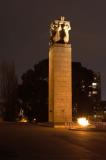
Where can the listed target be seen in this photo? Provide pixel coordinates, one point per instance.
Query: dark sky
(24, 32)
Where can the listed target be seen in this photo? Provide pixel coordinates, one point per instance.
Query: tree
(8, 85)
(34, 91)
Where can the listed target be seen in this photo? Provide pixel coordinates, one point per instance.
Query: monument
(60, 74)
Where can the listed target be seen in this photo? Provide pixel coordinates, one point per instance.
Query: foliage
(8, 86)
(34, 91)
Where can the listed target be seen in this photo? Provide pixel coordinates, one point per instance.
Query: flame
(83, 121)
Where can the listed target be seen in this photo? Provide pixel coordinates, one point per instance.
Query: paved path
(31, 142)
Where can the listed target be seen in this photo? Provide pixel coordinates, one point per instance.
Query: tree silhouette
(8, 86)
(34, 91)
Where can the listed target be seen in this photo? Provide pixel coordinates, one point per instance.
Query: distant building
(100, 112)
(86, 90)
(103, 106)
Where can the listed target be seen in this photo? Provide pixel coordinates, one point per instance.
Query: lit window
(94, 92)
(83, 86)
(94, 85)
(90, 93)
(95, 116)
(90, 86)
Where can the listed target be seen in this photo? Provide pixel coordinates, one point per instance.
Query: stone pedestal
(60, 85)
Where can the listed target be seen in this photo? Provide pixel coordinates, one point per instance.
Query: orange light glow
(83, 121)
(24, 120)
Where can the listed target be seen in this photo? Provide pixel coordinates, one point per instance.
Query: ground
(32, 142)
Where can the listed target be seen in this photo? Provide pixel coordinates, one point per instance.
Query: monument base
(60, 124)
(60, 85)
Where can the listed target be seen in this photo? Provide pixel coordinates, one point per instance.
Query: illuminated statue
(66, 30)
(59, 31)
(60, 75)
(57, 37)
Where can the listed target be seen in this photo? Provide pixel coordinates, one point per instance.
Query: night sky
(24, 32)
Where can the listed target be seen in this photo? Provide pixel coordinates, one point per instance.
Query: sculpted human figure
(59, 30)
(57, 37)
(66, 30)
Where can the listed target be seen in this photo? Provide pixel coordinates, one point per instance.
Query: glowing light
(34, 120)
(94, 84)
(94, 92)
(24, 120)
(83, 122)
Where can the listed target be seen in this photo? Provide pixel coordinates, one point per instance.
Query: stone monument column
(60, 74)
